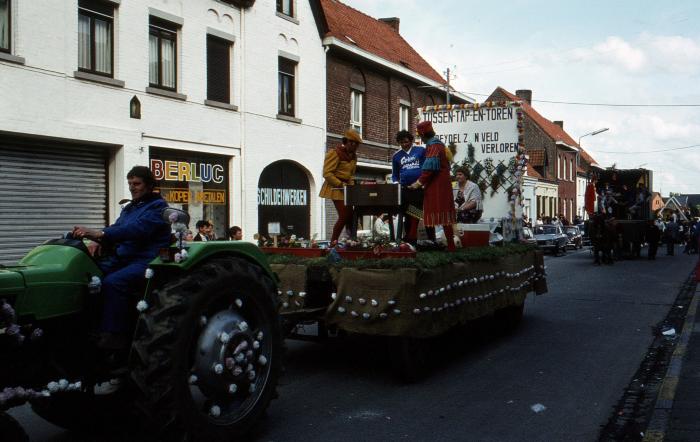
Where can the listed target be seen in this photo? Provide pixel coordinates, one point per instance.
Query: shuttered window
(45, 191)
(218, 69)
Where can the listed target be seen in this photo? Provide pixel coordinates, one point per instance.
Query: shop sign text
(282, 197)
(191, 172)
(186, 196)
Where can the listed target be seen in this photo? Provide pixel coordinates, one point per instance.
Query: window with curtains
(285, 102)
(218, 69)
(5, 26)
(404, 115)
(95, 36)
(162, 54)
(356, 110)
(286, 7)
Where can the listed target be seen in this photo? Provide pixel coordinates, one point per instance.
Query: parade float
(392, 291)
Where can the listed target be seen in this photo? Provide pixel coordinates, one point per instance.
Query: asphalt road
(574, 353)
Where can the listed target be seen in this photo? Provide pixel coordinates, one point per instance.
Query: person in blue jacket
(406, 167)
(138, 235)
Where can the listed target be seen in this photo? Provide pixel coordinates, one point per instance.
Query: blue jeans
(122, 279)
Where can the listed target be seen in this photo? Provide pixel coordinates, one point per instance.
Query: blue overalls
(139, 233)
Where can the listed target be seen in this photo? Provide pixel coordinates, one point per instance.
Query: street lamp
(595, 132)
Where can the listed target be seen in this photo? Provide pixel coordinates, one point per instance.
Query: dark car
(575, 237)
(585, 238)
(551, 237)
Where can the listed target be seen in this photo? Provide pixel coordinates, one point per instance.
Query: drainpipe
(243, 146)
(326, 48)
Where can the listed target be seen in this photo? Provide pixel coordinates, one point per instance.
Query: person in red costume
(438, 207)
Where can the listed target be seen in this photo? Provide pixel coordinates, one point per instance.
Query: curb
(656, 430)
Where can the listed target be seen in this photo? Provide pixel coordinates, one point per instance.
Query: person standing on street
(438, 205)
(653, 235)
(671, 235)
(339, 171)
(203, 229)
(235, 233)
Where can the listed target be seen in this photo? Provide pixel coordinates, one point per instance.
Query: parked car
(585, 238)
(551, 237)
(528, 237)
(575, 237)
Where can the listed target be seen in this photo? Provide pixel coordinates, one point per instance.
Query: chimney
(393, 22)
(559, 123)
(525, 95)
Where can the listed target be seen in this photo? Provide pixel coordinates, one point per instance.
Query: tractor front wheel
(207, 353)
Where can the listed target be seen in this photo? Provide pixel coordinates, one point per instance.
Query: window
(356, 110)
(571, 167)
(95, 28)
(286, 7)
(404, 115)
(5, 25)
(558, 166)
(285, 102)
(218, 69)
(162, 54)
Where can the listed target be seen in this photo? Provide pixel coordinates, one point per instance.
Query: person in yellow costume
(339, 171)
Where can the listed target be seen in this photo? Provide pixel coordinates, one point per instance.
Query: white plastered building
(192, 88)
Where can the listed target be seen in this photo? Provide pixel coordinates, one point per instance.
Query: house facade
(375, 81)
(552, 154)
(198, 90)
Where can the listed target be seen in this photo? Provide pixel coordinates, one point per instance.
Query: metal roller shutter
(45, 191)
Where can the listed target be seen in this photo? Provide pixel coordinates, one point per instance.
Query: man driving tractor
(137, 236)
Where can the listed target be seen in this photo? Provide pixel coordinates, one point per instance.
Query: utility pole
(447, 86)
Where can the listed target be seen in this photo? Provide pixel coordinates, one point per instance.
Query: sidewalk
(676, 416)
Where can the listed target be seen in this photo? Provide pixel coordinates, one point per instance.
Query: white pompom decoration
(142, 306)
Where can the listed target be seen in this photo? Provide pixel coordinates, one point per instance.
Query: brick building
(375, 81)
(553, 155)
(224, 99)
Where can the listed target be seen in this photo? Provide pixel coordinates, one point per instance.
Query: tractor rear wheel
(207, 352)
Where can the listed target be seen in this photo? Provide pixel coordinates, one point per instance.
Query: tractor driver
(138, 235)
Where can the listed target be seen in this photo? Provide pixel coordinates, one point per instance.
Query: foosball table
(378, 198)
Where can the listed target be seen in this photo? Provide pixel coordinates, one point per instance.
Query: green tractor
(204, 358)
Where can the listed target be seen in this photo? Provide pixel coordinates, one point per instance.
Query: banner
(488, 137)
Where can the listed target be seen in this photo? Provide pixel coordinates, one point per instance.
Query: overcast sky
(614, 52)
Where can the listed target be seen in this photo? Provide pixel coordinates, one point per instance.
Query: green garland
(423, 260)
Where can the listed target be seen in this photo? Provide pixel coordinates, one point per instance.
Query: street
(557, 377)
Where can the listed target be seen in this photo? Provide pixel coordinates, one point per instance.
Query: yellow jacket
(336, 173)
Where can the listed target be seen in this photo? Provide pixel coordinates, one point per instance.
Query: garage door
(45, 191)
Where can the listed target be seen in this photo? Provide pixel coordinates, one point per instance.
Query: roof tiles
(551, 129)
(354, 27)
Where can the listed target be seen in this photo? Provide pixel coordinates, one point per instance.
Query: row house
(553, 156)
(375, 81)
(224, 99)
